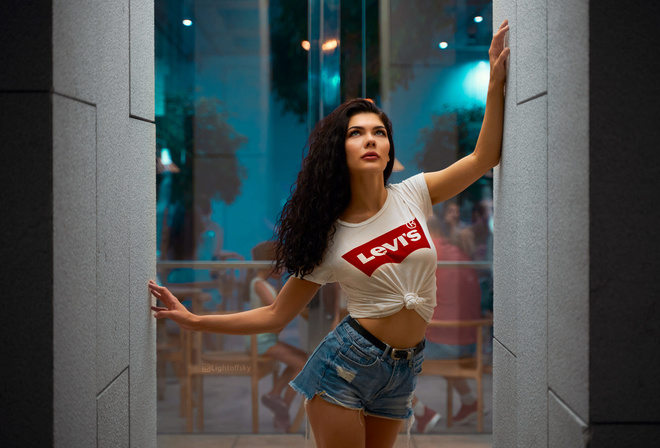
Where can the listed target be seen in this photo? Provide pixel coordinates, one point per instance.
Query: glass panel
(239, 85)
(232, 105)
(434, 77)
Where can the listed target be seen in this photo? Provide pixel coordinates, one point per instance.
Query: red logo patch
(391, 247)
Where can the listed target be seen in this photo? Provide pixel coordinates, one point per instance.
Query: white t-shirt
(388, 261)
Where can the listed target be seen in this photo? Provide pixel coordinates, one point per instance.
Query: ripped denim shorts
(348, 370)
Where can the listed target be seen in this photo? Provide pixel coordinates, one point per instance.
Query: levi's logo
(391, 247)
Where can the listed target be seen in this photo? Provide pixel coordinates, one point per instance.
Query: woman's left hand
(498, 54)
(173, 309)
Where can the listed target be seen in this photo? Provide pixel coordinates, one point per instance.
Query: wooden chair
(467, 367)
(170, 347)
(224, 363)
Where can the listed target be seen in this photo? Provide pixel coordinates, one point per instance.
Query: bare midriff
(403, 329)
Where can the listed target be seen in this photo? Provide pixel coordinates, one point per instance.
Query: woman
(344, 223)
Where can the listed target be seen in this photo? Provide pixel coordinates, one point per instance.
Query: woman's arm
(293, 297)
(450, 181)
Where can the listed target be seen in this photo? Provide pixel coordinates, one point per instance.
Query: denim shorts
(348, 370)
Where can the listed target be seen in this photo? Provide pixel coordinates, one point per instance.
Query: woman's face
(367, 145)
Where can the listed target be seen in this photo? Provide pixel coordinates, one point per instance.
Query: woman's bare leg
(335, 426)
(381, 432)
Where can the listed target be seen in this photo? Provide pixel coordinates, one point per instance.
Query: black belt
(396, 353)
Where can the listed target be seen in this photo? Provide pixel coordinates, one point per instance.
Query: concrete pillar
(575, 228)
(78, 222)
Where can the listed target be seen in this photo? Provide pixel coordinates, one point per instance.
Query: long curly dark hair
(322, 190)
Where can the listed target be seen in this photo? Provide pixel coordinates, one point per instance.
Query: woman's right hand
(498, 53)
(173, 309)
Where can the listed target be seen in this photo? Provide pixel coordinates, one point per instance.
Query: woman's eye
(380, 132)
(354, 133)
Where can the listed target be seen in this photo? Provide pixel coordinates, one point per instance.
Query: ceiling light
(330, 45)
(187, 22)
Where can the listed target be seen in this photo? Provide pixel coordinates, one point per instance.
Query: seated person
(459, 298)
(262, 293)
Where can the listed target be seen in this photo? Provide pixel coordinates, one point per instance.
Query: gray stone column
(576, 217)
(78, 222)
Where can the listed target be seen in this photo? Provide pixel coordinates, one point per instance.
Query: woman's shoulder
(415, 180)
(414, 190)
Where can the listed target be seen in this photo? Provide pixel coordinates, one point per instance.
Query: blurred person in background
(262, 293)
(458, 298)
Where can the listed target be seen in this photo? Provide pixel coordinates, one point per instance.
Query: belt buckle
(394, 352)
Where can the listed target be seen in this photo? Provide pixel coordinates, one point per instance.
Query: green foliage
(351, 51)
(218, 175)
(288, 27)
(453, 134)
(413, 36)
(203, 145)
